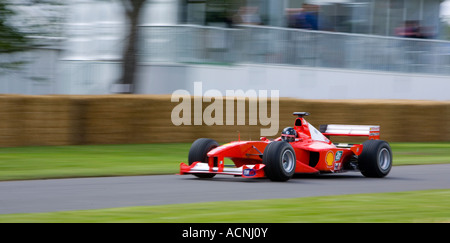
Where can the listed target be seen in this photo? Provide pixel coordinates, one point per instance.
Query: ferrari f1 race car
(300, 149)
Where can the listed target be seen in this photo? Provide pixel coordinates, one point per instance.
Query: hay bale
(121, 119)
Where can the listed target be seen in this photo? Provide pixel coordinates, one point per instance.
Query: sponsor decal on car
(337, 166)
(249, 172)
(338, 155)
(329, 158)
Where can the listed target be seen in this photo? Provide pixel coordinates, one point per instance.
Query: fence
(274, 45)
(72, 71)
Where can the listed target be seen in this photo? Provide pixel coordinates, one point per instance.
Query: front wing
(248, 171)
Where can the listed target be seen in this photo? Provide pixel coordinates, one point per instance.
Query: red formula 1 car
(300, 149)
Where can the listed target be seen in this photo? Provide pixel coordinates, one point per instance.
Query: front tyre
(279, 160)
(375, 159)
(198, 152)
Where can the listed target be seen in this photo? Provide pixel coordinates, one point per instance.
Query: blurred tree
(218, 10)
(11, 40)
(21, 22)
(133, 9)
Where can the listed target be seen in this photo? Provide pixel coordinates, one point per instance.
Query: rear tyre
(279, 160)
(375, 159)
(198, 152)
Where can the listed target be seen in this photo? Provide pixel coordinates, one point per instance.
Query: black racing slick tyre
(198, 152)
(375, 159)
(279, 160)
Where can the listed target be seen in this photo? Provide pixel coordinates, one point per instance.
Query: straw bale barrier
(124, 119)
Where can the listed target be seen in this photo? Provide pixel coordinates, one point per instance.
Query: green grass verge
(407, 207)
(90, 160)
(421, 153)
(23, 163)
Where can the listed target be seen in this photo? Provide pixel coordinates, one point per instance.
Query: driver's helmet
(288, 134)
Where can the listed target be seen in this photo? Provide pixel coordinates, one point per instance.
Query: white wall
(37, 75)
(297, 82)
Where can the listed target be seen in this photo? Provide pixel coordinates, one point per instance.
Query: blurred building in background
(375, 17)
(319, 49)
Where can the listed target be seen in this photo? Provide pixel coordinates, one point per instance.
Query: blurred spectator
(291, 15)
(308, 18)
(412, 29)
(247, 15)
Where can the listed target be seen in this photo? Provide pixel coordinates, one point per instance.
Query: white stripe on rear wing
(372, 131)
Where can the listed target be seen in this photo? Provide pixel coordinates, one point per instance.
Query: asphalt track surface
(109, 192)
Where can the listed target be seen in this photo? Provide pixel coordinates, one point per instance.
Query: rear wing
(373, 132)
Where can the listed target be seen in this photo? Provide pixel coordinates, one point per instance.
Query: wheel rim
(384, 159)
(287, 159)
